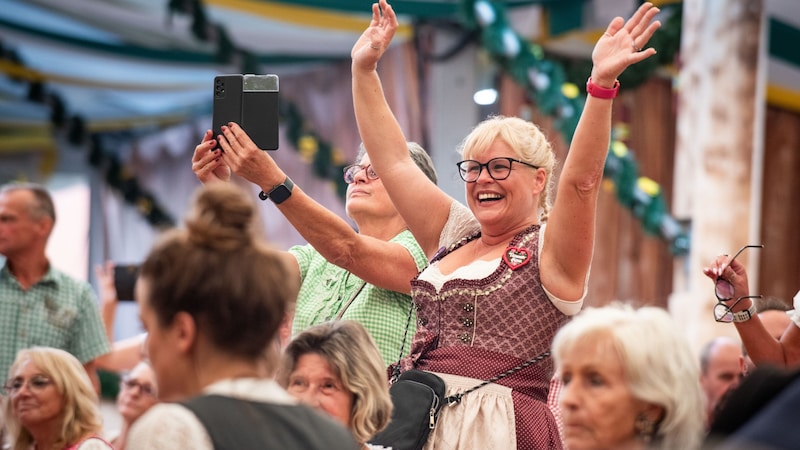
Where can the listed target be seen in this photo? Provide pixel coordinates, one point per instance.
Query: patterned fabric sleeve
(88, 336)
(303, 255)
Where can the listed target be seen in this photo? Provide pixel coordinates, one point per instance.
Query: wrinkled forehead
(143, 372)
(364, 160)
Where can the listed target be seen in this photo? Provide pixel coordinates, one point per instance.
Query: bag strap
(353, 297)
(456, 398)
(396, 371)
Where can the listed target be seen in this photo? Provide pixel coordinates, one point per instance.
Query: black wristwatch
(279, 193)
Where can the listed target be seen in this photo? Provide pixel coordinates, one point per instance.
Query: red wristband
(601, 92)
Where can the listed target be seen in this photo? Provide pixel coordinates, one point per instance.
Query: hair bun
(222, 218)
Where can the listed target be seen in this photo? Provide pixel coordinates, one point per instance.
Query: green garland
(100, 157)
(327, 161)
(554, 89)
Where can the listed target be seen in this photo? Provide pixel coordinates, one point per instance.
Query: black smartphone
(125, 280)
(227, 101)
(251, 101)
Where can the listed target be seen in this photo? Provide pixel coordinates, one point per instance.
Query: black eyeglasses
(352, 170)
(724, 313)
(36, 383)
(498, 168)
(144, 388)
(723, 288)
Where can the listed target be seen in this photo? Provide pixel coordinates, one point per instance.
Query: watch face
(279, 194)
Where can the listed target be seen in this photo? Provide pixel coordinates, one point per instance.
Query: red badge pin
(516, 257)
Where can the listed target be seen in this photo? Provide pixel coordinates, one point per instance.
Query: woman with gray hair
(336, 368)
(339, 276)
(629, 381)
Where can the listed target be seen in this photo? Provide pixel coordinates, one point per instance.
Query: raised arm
(328, 233)
(569, 236)
(760, 345)
(108, 296)
(407, 185)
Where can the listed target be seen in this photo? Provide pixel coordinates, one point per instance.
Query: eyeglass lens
(723, 288)
(498, 169)
(35, 383)
(350, 173)
(144, 388)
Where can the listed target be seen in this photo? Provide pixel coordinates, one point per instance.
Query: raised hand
(245, 159)
(374, 41)
(624, 43)
(733, 271)
(207, 163)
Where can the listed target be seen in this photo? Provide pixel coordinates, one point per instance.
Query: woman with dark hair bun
(212, 296)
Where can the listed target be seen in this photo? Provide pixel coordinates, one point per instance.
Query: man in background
(721, 369)
(40, 305)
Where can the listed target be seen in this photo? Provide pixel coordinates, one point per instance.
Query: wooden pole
(718, 155)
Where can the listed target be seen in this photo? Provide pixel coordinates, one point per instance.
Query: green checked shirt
(326, 289)
(58, 311)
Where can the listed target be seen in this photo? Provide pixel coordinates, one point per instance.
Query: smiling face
(37, 403)
(367, 197)
(314, 383)
(597, 406)
(509, 203)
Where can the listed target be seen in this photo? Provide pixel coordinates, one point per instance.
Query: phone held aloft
(125, 281)
(250, 101)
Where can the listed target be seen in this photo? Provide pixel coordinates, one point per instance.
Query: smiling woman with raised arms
(500, 283)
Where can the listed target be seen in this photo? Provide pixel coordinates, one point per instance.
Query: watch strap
(601, 92)
(287, 184)
(745, 314)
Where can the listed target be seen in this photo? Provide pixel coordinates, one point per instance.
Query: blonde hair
(80, 412)
(657, 361)
(525, 139)
(353, 355)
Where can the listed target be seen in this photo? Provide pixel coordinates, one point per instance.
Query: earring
(645, 428)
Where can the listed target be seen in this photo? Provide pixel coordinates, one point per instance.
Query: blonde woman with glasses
(509, 268)
(51, 403)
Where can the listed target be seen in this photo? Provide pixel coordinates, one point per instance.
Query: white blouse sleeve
(460, 223)
(794, 314)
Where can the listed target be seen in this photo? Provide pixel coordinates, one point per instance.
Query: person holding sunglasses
(509, 270)
(343, 272)
(736, 305)
(51, 403)
(138, 392)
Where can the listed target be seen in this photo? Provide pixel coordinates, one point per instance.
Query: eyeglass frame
(148, 389)
(511, 161)
(729, 309)
(371, 174)
(36, 383)
(719, 278)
